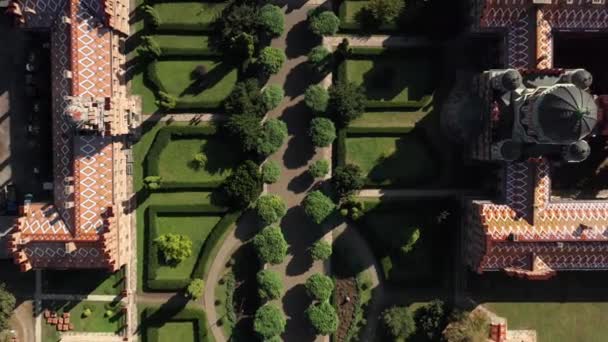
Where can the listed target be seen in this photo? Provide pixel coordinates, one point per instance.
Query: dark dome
(582, 79)
(577, 152)
(511, 80)
(566, 114)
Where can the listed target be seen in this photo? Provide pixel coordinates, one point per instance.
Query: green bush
(270, 245)
(237, 29)
(321, 250)
(152, 182)
(150, 16)
(272, 136)
(269, 321)
(324, 23)
(165, 100)
(346, 102)
(199, 160)
(399, 322)
(195, 289)
(244, 185)
(320, 58)
(319, 287)
(316, 98)
(411, 241)
(175, 248)
(317, 206)
(271, 172)
(86, 312)
(431, 319)
(245, 129)
(322, 132)
(319, 168)
(272, 96)
(465, 326)
(385, 11)
(271, 60)
(270, 285)
(323, 318)
(246, 98)
(272, 20)
(347, 180)
(270, 208)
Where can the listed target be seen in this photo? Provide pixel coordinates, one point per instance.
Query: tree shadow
(246, 226)
(213, 77)
(300, 233)
(299, 78)
(299, 149)
(298, 328)
(300, 40)
(246, 299)
(167, 310)
(300, 183)
(221, 155)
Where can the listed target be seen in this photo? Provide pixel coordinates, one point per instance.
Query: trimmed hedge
(179, 45)
(154, 318)
(366, 131)
(204, 259)
(162, 139)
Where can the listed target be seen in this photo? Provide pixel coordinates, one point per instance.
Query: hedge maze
(159, 324)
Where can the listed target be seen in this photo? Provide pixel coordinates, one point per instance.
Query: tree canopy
(175, 248)
(269, 321)
(270, 245)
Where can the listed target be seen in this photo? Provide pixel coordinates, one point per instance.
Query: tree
(199, 72)
(7, 305)
(431, 319)
(271, 172)
(270, 245)
(237, 29)
(269, 321)
(272, 136)
(323, 23)
(270, 285)
(270, 208)
(322, 132)
(316, 98)
(195, 289)
(244, 185)
(347, 180)
(175, 248)
(317, 206)
(321, 250)
(199, 160)
(465, 327)
(411, 241)
(346, 101)
(399, 322)
(385, 11)
(343, 50)
(323, 318)
(319, 287)
(320, 58)
(319, 168)
(246, 98)
(271, 60)
(272, 96)
(272, 20)
(246, 130)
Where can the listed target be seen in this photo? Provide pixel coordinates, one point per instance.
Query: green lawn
(82, 282)
(396, 78)
(96, 322)
(177, 331)
(197, 228)
(139, 87)
(404, 161)
(388, 119)
(182, 45)
(575, 321)
(349, 13)
(188, 16)
(176, 160)
(176, 78)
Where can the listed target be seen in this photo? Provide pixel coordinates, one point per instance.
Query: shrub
(466, 327)
(271, 60)
(269, 321)
(316, 98)
(273, 134)
(323, 318)
(351, 207)
(324, 23)
(321, 250)
(244, 185)
(245, 129)
(152, 182)
(319, 287)
(431, 319)
(322, 132)
(272, 96)
(320, 58)
(272, 20)
(108, 313)
(270, 245)
(149, 48)
(411, 241)
(246, 98)
(236, 29)
(385, 11)
(343, 50)
(86, 312)
(175, 248)
(319, 168)
(165, 100)
(346, 101)
(199, 160)
(270, 285)
(399, 322)
(195, 289)
(347, 180)
(271, 172)
(270, 208)
(317, 206)
(151, 16)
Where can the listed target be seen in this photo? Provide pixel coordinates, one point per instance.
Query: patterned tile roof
(78, 229)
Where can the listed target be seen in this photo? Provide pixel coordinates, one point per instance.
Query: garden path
(294, 158)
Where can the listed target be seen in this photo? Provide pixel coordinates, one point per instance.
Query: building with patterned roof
(84, 226)
(533, 116)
